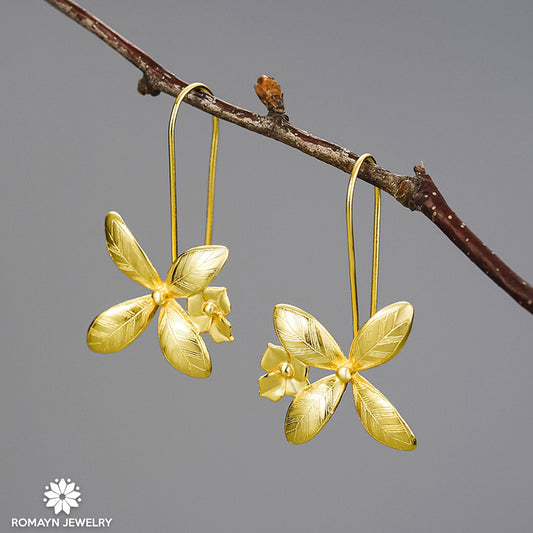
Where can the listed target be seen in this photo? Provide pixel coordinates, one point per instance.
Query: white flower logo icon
(62, 495)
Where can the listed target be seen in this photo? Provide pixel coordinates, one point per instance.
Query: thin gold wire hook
(172, 168)
(351, 243)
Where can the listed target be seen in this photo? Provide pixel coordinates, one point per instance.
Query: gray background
(449, 83)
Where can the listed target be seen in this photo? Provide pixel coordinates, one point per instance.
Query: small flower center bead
(209, 308)
(344, 374)
(286, 370)
(158, 297)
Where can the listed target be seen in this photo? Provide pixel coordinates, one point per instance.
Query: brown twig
(418, 193)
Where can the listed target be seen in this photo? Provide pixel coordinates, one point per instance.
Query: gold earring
(306, 342)
(188, 277)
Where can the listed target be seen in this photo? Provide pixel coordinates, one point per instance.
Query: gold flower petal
(306, 339)
(224, 303)
(202, 322)
(382, 336)
(301, 370)
(127, 254)
(196, 268)
(180, 343)
(273, 356)
(272, 386)
(218, 295)
(293, 386)
(220, 330)
(120, 325)
(379, 417)
(195, 304)
(312, 408)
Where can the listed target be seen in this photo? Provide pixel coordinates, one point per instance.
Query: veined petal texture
(120, 325)
(180, 343)
(382, 336)
(312, 408)
(379, 417)
(127, 254)
(195, 269)
(305, 338)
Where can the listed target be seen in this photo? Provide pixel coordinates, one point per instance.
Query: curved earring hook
(351, 243)
(172, 169)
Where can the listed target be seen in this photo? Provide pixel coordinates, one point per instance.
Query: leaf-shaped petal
(379, 417)
(306, 339)
(120, 325)
(195, 269)
(127, 254)
(180, 343)
(312, 408)
(382, 336)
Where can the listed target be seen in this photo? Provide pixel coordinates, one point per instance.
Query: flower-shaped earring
(377, 342)
(188, 277)
(306, 342)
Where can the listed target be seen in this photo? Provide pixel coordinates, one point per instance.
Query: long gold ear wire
(351, 243)
(172, 170)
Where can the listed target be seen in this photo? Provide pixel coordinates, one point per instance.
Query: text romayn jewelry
(188, 277)
(306, 342)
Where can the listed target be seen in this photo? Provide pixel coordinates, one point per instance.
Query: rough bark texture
(418, 192)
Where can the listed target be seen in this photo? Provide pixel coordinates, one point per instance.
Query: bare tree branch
(418, 192)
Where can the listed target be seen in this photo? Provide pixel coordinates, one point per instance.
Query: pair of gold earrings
(305, 342)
